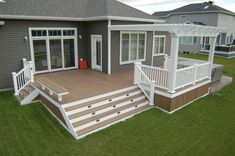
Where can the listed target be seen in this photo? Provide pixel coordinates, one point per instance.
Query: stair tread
(112, 120)
(97, 117)
(99, 100)
(104, 106)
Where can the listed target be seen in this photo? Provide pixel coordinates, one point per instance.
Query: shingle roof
(196, 7)
(70, 8)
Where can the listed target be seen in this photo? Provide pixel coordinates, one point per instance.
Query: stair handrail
(23, 77)
(144, 83)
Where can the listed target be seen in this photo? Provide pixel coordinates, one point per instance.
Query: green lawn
(206, 127)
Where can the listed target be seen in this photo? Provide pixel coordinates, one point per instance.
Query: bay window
(133, 47)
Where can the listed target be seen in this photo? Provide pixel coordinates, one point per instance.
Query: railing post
(136, 72)
(31, 71)
(195, 74)
(152, 93)
(15, 83)
(25, 63)
(165, 61)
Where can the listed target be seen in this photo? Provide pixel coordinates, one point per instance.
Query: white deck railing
(192, 75)
(144, 83)
(23, 77)
(159, 75)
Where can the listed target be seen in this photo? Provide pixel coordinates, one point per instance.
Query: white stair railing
(144, 83)
(23, 77)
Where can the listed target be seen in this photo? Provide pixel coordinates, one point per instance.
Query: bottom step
(84, 132)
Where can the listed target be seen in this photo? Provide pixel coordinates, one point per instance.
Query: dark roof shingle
(196, 7)
(70, 8)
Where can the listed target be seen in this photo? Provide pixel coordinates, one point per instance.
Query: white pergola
(177, 31)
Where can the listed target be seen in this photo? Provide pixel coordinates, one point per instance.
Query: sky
(150, 6)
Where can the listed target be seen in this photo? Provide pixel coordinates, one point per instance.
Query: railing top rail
(187, 68)
(158, 68)
(203, 64)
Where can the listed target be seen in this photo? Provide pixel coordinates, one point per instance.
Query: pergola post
(173, 62)
(211, 54)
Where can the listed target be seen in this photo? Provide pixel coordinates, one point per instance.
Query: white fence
(144, 83)
(192, 74)
(159, 75)
(23, 77)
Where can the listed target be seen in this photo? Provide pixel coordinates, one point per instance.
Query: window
(159, 45)
(184, 40)
(195, 40)
(190, 40)
(133, 47)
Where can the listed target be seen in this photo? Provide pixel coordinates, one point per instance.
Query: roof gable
(196, 7)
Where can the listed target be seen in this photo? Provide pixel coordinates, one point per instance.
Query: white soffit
(177, 29)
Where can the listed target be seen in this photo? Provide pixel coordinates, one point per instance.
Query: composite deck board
(82, 84)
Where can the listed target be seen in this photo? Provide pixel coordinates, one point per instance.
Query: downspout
(109, 46)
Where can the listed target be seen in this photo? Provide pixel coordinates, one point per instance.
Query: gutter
(2, 23)
(98, 18)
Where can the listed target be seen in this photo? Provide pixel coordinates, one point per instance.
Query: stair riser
(109, 117)
(101, 103)
(107, 109)
(98, 97)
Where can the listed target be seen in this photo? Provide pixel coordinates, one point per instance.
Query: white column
(109, 47)
(174, 62)
(136, 72)
(211, 54)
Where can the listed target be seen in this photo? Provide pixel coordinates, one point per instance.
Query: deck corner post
(25, 63)
(195, 73)
(31, 71)
(152, 92)
(15, 84)
(173, 63)
(136, 73)
(211, 54)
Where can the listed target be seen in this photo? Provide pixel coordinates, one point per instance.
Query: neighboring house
(122, 45)
(206, 13)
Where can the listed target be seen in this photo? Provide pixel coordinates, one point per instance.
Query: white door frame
(47, 39)
(94, 65)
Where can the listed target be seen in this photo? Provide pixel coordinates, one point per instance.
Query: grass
(206, 127)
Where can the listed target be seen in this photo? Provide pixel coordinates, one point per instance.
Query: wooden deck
(82, 84)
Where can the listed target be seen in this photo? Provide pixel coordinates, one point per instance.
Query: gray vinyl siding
(98, 28)
(13, 48)
(115, 52)
(210, 19)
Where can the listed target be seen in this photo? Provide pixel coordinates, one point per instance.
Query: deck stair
(93, 114)
(27, 95)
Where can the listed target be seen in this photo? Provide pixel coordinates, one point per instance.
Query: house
(133, 61)
(206, 13)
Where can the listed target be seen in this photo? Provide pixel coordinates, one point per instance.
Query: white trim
(164, 46)
(93, 60)
(109, 47)
(98, 97)
(47, 38)
(98, 18)
(106, 126)
(145, 47)
(59, 106)
(169, 95)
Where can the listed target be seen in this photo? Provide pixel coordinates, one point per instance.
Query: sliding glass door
(40, 55)
(55, 54)
(53, 50)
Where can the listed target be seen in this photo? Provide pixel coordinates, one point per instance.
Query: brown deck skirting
(171, 104)
(55, 110)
